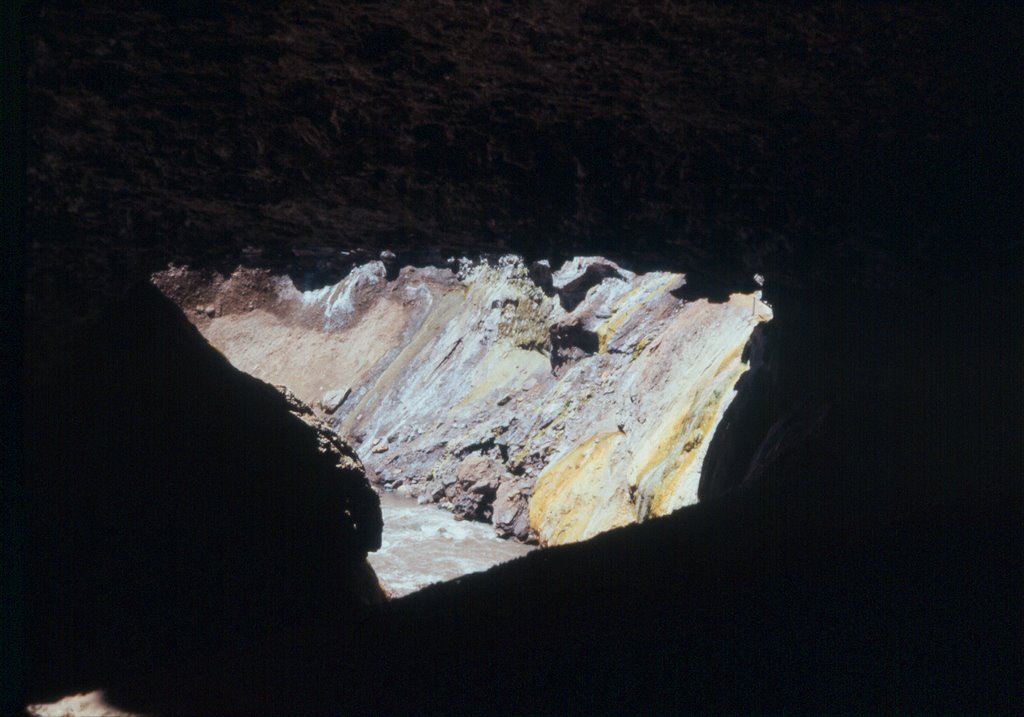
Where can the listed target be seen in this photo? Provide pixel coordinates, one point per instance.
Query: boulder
(510, 514)
(571, 341)
(484, 487)
(477, 480)
(479, 469)
(540, 273)
(576, 277)
(332, 400)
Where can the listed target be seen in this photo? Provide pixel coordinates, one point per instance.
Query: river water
(423, 544)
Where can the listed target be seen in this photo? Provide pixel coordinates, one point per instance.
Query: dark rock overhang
(718, 139)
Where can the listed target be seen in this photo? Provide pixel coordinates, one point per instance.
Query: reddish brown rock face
(477, 479)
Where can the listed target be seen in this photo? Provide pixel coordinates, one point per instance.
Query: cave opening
(173, 531)
(535, 405)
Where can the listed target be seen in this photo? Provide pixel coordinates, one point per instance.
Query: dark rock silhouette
(853, 571)
(176, 505)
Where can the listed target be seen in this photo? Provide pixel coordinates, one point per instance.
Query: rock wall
(555, 405)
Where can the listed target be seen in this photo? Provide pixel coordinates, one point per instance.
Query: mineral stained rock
(553, 414)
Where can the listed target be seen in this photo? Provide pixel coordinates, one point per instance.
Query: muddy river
(423, 544)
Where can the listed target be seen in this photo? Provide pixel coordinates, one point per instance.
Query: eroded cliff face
(555, 405)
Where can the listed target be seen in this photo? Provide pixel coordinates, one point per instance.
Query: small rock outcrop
(328, 443)
(476, 485)
(572, 341)
(510, 513)
(576, 277)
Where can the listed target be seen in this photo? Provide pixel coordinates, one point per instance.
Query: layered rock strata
(553, 404)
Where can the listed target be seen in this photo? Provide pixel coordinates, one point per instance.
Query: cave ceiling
(709, 137)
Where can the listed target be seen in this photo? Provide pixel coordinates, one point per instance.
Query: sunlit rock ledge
(553, 404)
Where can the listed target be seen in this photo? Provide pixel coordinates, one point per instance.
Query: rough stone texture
(510, 514)
(91, 704)
(601, 414)
(328, 442)
(720, 138)
(474, 491)
(576, 277)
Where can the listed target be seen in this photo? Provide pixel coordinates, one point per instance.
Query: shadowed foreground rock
(175, 505)
(858, 571)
